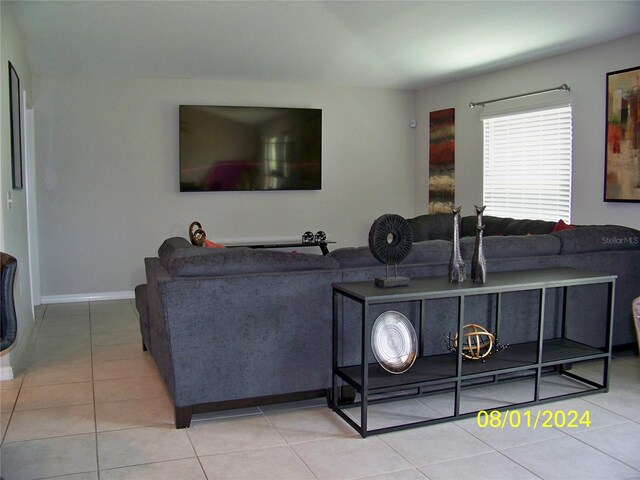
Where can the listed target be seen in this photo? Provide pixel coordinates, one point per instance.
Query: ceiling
(392, 44)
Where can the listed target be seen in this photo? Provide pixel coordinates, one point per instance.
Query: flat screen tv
(250, 148)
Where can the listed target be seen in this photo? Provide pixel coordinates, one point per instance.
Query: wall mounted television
(228, 148)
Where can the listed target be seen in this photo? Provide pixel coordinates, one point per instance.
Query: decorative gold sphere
(478, 342)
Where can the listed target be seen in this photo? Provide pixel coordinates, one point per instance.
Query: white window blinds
(527, 165)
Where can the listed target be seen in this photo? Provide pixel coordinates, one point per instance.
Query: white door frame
(32, 210)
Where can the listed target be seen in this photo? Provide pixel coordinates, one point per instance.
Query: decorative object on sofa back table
(478, 262)
(197, 235)
(394, 342)
(308, 238)
(456, 264)
(390, 240)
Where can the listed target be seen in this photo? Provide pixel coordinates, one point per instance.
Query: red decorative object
(561, 225)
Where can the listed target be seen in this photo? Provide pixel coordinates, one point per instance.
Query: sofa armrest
(159, 337)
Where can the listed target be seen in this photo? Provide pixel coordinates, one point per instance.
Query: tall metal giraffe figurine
(479, 262)
(456, 264)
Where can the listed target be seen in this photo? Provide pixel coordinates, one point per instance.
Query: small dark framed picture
(15, 118)
(622, 153)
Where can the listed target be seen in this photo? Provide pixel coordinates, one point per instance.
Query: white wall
(108, 173)
(107, 154)
(585, 72)
(13, 237)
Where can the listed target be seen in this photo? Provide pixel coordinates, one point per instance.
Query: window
(527, 164)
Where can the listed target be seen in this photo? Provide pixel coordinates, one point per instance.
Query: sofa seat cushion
(188, 261)
(513, 246)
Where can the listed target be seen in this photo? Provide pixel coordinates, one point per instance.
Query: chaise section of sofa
(234, 327)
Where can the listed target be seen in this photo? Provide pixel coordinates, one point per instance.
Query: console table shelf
(427, 370)
(450, 371)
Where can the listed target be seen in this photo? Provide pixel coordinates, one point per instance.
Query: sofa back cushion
(432, 227)
(440, 226)
(597, 238)
(181, 259)
(431, 251)
(505, 226)
(529, 227)
(354, 257)
(492, 225)
(514, 246)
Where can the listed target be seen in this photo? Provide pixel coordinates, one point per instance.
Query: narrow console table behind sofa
(545, 354)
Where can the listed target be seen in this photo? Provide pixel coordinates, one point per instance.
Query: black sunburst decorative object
(390, 241)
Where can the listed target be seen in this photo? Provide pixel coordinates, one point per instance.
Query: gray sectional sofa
(236, 327)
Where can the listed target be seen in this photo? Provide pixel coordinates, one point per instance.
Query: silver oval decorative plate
(394, 342)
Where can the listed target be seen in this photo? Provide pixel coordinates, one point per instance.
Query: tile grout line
(605, 453)
(93, 391)
(195, 451)
(26, 361)
(587, 399)
(517, 463)
(293, 450)
(4, 434)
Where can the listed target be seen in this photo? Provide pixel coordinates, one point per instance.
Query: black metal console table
(449, 372)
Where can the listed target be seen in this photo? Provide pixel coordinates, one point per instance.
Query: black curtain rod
(563, 87)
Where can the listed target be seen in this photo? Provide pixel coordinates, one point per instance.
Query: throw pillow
(560, 226)
(210, 244)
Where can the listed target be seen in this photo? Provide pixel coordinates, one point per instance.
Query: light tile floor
(90, 405)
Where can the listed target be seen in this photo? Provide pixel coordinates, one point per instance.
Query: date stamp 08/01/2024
(536, 419)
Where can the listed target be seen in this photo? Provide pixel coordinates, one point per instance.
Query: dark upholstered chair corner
(9, 320)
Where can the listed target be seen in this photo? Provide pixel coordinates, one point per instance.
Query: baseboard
(87, 297)
(6, 373)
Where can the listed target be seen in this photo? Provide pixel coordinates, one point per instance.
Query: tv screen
(250, 148)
